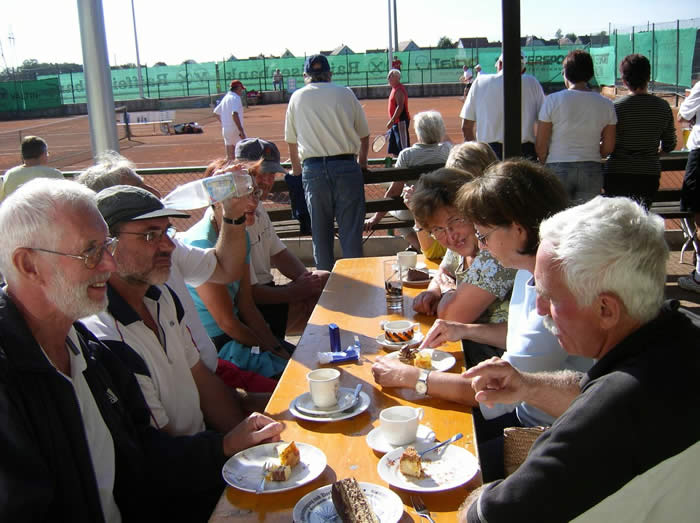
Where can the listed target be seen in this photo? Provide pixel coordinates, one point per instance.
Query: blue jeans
(334, 188)
(583, 181)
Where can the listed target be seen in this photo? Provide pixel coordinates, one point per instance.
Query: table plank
(354, 300)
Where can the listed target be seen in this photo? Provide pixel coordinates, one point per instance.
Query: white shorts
(230, 135)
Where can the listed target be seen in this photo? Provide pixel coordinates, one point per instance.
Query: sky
(172, 31)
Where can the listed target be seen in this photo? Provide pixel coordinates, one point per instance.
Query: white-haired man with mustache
(624, 446)
(76, 439)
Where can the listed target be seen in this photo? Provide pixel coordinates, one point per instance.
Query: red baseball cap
(236, 83)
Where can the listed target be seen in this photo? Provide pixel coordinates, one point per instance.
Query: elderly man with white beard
(76, 435)
(624, 446)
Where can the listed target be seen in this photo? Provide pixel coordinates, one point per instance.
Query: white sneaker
(688, 283)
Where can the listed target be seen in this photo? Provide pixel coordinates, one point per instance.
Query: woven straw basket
(516, 445)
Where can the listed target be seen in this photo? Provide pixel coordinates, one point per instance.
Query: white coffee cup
(407, 259)
(399, 425)
(324, 385)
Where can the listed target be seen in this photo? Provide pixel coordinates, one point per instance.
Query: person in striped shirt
(644, 128)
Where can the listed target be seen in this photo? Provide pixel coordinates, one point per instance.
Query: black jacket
(46, 471)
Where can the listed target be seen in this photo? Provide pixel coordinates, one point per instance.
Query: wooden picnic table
(354, 300)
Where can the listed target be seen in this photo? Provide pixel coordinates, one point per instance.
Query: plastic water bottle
(207, 191)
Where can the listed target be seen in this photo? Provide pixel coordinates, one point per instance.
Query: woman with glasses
(228, 312)
(471, 286)
(507, 205)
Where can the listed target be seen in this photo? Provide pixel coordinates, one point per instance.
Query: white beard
(550, 325)
(72, 299)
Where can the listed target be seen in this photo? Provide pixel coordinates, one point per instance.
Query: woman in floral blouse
(470, 286)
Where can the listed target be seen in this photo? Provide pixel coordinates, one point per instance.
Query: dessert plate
(317, 505)
(425, 438)
(396, 345)
(354, 410)
(454, 467)
(440, 360)
(244, 470)
(346, 399)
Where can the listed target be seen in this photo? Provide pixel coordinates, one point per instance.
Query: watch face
(421, 387)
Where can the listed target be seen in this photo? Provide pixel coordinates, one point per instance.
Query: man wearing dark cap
(76, 436)
(286, 308)
(326, 129)
(229, 111)
(144, 322)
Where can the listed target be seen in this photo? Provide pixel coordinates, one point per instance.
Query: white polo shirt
(162, 364)
(229, 104)
(99, 439)
(484, 105)
(325, 119)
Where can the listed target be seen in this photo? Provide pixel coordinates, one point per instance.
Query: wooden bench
(287, 227)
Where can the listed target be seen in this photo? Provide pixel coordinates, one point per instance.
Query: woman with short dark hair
(576, 129)
(643, 122)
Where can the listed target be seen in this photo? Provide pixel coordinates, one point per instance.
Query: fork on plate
(420, 508)
(266, 468)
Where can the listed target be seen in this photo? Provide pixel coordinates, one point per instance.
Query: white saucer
(420, 283)
(440, 360)
(393, 345)
(424, 440)
(357, 408)
(346, 399)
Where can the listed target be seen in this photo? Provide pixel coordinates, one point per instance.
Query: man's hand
(407, 194)
(306, 286)
(372, 221)
(496, 381)
(389, 124)
(426, 303)
(254, 430)
(392, 373)
(443, 331)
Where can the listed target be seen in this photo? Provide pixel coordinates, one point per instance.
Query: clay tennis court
(69, 138)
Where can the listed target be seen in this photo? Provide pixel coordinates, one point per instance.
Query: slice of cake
(417, 275)
(350, 502)
(407, 355)
(409, 463)
(288, 454)
(423, 360)
(279, 473)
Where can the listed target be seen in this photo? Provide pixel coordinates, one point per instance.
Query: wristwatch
(237, 221)
(422, 383)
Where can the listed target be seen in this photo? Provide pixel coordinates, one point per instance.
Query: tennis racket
(380, 141)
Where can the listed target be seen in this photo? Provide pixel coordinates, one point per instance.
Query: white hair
(110, 169)
(28, 216)
(429, 127)
(611, 245)
(393, 72)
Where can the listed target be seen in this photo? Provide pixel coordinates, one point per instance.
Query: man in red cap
(229, 111)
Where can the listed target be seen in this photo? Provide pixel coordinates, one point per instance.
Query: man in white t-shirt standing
(229, 111)
(484, 108)
(286, 308)
(326, 128)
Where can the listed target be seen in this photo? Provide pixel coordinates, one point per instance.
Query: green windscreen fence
(29, 95)
(418, 67)
(660, 48)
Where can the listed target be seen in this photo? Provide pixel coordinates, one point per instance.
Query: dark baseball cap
(236, 83)
(316, 63)
(254, 149)
(126, 203)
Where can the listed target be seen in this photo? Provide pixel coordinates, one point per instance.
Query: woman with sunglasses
(228, 312)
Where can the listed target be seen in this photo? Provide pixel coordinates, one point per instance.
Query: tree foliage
(558, 34)
(445, 43)
(31, 68)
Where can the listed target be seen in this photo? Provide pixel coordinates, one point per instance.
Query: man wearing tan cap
(229, 111)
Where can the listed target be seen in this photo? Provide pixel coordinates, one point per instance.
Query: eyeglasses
(438, 233)
(483, 238)
(154, 236)
(92, 256)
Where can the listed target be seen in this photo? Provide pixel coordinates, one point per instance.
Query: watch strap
(237, 221)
